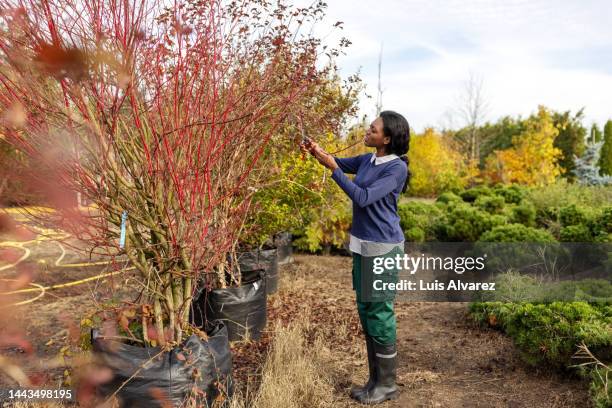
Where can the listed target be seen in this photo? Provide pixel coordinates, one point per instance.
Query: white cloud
(526, 51)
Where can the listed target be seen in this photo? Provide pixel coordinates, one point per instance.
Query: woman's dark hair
(396, 127)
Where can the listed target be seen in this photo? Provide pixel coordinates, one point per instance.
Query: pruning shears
(306, 141)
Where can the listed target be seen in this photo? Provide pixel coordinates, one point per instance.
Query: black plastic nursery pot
(161, 379)
(282, 241)
(253, 263)
(243, 309)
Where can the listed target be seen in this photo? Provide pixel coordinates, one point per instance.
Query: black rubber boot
(359, 391)
(385, 357)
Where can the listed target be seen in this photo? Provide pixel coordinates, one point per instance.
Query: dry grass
(295, 375)
(419, 377)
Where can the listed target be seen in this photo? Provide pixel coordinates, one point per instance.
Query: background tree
(499, 135)
(605, 159)
(587, 168)
(472, 109)
(379, 90)
(533, 159)
(595, 135)
(436, 166)
(571, 139)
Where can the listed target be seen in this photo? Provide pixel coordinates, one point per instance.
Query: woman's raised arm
(350, 165)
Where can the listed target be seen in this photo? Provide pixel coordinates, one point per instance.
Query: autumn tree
(499, 135)
(605, 158)
(436, 166)
(533, 159)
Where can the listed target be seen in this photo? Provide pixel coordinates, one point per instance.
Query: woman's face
(374, 136)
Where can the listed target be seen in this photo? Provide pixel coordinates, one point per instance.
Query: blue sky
(555, 53)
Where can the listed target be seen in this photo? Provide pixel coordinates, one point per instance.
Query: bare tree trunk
(159, 321)
(171, 309)
(472, 109)
(187, 296)
(177, 292)
(380, 91)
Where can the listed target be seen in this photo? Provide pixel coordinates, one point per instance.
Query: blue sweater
(374, 192)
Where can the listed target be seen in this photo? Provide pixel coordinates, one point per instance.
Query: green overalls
(375, 307)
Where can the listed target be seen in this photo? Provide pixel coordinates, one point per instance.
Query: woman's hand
(321, 155)
(306, 145)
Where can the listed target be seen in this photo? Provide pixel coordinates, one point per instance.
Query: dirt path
(444, 360)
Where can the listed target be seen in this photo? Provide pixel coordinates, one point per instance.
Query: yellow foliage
(533, 159)
(300, 196)
(436, 166)
(327, 220)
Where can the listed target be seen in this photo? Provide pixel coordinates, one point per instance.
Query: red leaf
(61, 62)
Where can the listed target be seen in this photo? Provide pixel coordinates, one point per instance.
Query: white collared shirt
(382, 159)
(370, 248)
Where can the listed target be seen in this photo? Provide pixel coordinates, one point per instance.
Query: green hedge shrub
(516, 233)
(448, 197)
(575, 233)
(602, 223)
(572, 215)
(470, 195)
(491, 204)
(465, 223)
(512, 194)
(417, 220)
(545, 217)
(468, 214)
(523, 213)
(603, 238)
(551, 334)
(414, 234)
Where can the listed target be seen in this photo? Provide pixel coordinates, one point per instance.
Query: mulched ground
(445, 360)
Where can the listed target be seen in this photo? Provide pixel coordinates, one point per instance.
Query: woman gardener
(375, 232)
